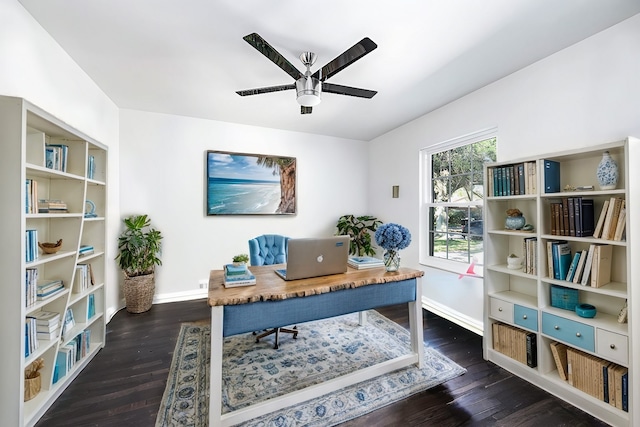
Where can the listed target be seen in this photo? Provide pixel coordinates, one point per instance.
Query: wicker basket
(138, 292)
(32, 386)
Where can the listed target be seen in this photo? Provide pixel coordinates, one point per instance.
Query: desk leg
(415, 324)
(362, 318)
(215, 379)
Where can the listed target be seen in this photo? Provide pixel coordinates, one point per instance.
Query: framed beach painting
(250, 184)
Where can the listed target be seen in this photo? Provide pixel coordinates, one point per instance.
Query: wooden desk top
(270, 287)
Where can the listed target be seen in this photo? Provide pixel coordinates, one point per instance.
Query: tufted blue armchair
(266, 250)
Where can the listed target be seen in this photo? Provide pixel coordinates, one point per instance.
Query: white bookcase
(25, 132)
(523, 299)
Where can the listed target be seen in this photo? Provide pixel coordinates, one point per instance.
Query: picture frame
(250, 184)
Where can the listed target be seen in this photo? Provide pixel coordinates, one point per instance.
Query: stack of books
(47, 324)
(363, 262)
(52, 206)
(238, 275)
(48, 288)
(85, 250)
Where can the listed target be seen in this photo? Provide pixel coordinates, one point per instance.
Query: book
(586, 218)
(587, 266)
(573, 266)
(234, 280)
(597, 231)
(364, 262)
(532, 350)
(551, 176)
(601, 265)
(235, 270)
(561, 260)
(580, 267)
(559, 352)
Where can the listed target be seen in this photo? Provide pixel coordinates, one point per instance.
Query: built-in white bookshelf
(523, 297)
(47, 163)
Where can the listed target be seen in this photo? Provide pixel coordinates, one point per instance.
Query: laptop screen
(313, 257)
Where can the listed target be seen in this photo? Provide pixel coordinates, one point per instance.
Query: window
(452, 201)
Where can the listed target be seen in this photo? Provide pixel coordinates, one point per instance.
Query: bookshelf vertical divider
(539, 300)
(52, 308)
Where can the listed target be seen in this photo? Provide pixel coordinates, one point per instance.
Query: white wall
(586, 95)
(33, 66)
(162, 173)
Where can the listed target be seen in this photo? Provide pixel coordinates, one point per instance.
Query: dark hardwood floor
(124, 383)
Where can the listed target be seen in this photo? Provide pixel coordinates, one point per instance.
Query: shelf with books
(594, 270)
(46, 184)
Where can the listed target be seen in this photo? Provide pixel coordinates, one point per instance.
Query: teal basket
(565, 298)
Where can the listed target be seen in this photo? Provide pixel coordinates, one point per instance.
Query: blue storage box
(565, 298)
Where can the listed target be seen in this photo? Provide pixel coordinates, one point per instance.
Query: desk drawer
(612, 346)
(526, 317)
(501, 310)
(572, 332)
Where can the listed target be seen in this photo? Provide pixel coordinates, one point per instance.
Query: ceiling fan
(309, 87)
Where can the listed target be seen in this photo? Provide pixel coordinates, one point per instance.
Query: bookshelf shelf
(46, 182)
(523, 299)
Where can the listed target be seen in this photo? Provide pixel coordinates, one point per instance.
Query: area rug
(324, 349)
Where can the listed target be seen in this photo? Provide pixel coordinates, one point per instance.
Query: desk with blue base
(272, 302)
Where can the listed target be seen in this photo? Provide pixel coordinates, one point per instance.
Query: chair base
(277, 331)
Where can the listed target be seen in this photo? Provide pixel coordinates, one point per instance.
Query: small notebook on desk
(313, 257)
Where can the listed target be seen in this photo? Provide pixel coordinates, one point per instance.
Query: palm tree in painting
(286, 168)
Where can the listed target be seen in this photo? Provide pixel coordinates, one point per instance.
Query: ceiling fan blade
(274, 56)
(348, 90)
(305, 110)
(345, 59)
(265, 90)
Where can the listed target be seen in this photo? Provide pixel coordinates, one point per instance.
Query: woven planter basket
(138, 292)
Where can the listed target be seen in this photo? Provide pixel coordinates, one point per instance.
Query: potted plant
(240, 259)
(358, 229)
(139, 246)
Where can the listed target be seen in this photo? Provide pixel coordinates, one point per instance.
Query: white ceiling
(187, 57)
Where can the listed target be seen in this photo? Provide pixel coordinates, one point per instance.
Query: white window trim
(426, 197)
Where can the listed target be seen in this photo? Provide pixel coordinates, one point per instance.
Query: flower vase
(607, 172)
(391, 260)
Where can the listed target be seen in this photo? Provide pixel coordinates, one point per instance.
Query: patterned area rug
(323, 350)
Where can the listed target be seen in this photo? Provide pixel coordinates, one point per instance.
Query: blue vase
(607, 172)
(515, 222)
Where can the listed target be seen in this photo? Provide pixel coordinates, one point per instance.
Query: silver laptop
(312, 257)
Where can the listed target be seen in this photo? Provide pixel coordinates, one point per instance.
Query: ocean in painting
(242, 196)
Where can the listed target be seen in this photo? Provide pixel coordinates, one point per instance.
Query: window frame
(426, 197)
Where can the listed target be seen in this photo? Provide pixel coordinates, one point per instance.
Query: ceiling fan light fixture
(309, 90)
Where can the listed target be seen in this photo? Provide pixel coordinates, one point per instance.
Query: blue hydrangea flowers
(392, 237)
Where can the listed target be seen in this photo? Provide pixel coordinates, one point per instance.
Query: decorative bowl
(50, 248)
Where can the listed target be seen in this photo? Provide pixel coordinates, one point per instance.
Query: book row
(83, 278)
(590, 267)
(530, 258)
(31, 245)
(516, 343)
(572, 216)
(597, 377)
(612, 220)
(56, 156)
(70, 353)
(512, 180)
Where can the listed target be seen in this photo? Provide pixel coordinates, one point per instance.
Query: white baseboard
(453, 316)
(180, 296)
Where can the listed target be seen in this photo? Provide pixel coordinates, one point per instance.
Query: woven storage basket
(138, 292)
(32, 387)
(565, 298)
